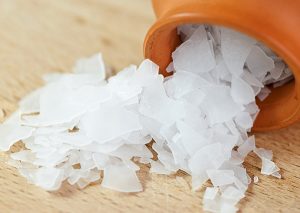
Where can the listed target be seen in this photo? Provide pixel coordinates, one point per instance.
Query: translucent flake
(100, 159)
(169, 132)
(155, 104)
(210, 193)
(92, 65)
(264, 93)
(170, 68)
(131, 164)
(228, 142)
(241, 92)
(104, 148)
(138, 137)
(216, 33)
(228, 208)
(221, 71)
(236, 158)
(180, 156)
(277, 175)
(258, 62)
(247, 146)
(23, 155)
(65, 110)
(127, 151)
(194, 55)
(264, 153)
(211, 205)
(242, 187)
(268, 167)
(183, 83)
(81, 183)
(121, 178)
(241, 174)
(199, 34)
(278, 70)
(220, 128)
(165, 157)
(77, 139)
(11, 133)
(111, 121)
(232, 127)
(202, 160)
(251, 79)
(75, 176)
(244, 120)
(158, 168)
(221, 177)
(218, 104)
(195, 97)
(186, 31)
(252, 108)
(30, 103)
(48, 178)
(198, 180)
(195, 118)
(235, 49)
(232, 195)
(192, 140)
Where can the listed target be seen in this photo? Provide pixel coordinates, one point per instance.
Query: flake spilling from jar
(80, 125)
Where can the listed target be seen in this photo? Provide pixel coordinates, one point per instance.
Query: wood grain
(41, 36)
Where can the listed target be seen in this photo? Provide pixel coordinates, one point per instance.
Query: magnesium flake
(81, 125)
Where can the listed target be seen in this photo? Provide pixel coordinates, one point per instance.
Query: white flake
(195, 56)
(12, 133)
(259, 63)
(158, 168)
(92, 65)
(80, 124)
(235, 49)
(218, 104)
(121, 178)
(202, 160)
(241, 92)
(244, 120)
(247, 146)
(108, 123)
(278, 70)
(221, 177)
(264, 153)
(48, 178)
(268, 167)
(264, 93)
(210, 193)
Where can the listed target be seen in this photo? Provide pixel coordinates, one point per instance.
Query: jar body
(275, 23)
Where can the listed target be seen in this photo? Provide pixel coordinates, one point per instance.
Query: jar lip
(290, 104)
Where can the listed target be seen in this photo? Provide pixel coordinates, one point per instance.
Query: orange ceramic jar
(274, 22)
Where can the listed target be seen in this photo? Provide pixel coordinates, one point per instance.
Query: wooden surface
(39, 36)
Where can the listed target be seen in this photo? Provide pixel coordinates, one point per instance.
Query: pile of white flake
(80, 125)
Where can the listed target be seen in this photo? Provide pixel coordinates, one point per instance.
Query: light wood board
(42, 36)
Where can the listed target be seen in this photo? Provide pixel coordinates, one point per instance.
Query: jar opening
(278, 110)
